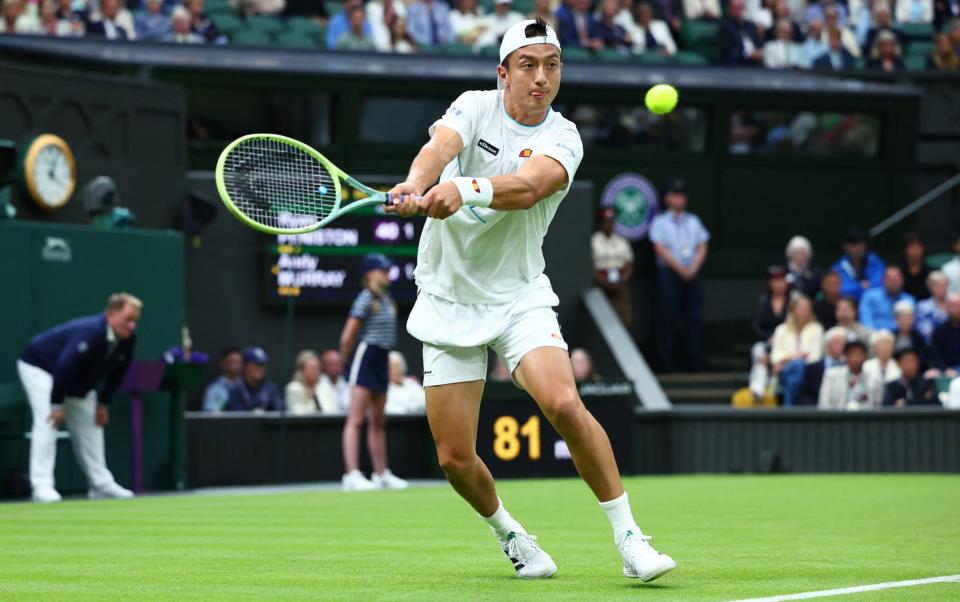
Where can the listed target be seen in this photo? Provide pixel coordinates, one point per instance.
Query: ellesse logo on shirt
(488, 147)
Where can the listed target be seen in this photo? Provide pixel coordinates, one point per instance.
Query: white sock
(621, 519)
(502, 523)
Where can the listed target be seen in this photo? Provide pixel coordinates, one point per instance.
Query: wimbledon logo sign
(635, 200)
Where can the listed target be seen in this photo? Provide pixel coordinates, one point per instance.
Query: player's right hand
(405, 199)
(56, 417)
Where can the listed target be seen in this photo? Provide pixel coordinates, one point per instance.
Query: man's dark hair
(855, 344)
(537, 29)
(228, 350)
(910, 238)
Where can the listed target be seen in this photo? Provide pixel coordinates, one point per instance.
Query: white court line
(858, 589)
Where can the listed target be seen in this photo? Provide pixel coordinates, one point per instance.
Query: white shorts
(456, 336)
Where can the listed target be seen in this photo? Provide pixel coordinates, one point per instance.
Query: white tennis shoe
(388, 480)
(640, 560)
(109, 492)
(529, 559)
(45, 495)
(355, 481)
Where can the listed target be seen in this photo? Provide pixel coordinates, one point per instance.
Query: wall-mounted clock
(49, 172)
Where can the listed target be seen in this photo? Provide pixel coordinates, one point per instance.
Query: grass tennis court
(733, 537)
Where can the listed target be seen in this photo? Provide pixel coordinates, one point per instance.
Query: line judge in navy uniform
(60, 370)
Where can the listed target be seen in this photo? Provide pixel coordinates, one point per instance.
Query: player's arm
(540, 177)
(348, 338)
(443, 146)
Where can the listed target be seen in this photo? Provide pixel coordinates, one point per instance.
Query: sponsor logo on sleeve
(476, 186)
(526, 152)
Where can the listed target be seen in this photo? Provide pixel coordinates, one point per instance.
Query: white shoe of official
(640, 560)
(45, 495)
(529, 560)
(110, 492)
(388, 480)
(355, 481)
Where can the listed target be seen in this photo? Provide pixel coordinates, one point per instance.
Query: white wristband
(475, 192)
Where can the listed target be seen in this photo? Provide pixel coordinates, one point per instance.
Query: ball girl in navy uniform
(368, 336)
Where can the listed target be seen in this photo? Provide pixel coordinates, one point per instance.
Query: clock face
(50, 172)
(53, 176)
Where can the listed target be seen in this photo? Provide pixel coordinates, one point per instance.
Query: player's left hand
(441, 201)
(103, 415)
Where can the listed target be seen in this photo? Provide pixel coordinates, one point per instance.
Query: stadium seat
(228, 24)
(334, 8)
(265, 25)
(651, 58)
(936, 260)
(700, 37)
(915, 63)
(457, 49)
(303, 25)
(219, 8)
(296, 40)
(524, 7)
(250, 37)
(917, 31)
(923, 49)
(490, 51)
(609, 54)
(573, 53)
(687, 57)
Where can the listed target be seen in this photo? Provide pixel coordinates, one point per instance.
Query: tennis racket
(279, 185)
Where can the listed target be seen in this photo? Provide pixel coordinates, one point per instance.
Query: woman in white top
(796, 343)
(381, 15)
(404, 394)
(467, 21)
(882, 366)
(302, 395)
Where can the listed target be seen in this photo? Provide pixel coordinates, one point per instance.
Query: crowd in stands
(884, 35)
(863, 333)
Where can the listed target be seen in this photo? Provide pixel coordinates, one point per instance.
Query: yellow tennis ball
(661, 99)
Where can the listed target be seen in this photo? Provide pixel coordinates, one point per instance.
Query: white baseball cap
(516, 38)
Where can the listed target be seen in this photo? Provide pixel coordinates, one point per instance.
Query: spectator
(428, 22)
(303, 394)
(649, 34)
(613, 265)
(610, 33)
(911, 388)
(315, 9)
(340, 24)
(358, 37)
(914, 11)
(218, 392)
(906, 335)
(151, 22)
(953, 30)
(834, 342)
(847, 318)
(770, 313)
(881, 21)
(70, 373)
(50, 24)
(837, 58)
(582, 365)
(817, 10)
(813, 45)
(701, 10)
(680, 243)
(914, 267)
(334, 388)
(796, 343)
(400, 40)
(181, 33)
(825, 308)
(945, 347)
(108, 26)
(15, 18)
(802, 276)
(404, 394)
(738, 38)
(951, 269)
(943, 12)
(944, 58)
(780, 12)
(543, 10)
(951, 398)
(579, 28)
(859, 269)
(202, 25)
(885, 54)
(670, 12)
(76, 17)
(849, 387)
(882, 365)
(254, 393)
(932, 312)
(876, 305)
(847, 37)
(260, 7)
(782, 52)
(498, 22)
(468, 22)
(382, 17)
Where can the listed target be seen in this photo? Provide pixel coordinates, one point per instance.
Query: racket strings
(278, 185)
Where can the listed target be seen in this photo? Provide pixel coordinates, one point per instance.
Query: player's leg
(43, 436)
(86, 437)
(377, 444)
(360, 401)
(453, 411)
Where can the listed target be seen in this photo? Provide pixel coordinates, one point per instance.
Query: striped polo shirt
(379, 316)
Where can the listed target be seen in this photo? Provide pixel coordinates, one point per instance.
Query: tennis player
(505, 160)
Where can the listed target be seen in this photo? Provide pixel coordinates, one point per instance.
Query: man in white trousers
(60, 370)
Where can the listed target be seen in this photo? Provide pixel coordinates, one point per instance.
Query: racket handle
(389, 199)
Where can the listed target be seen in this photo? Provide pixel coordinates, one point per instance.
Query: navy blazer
(75, 354)
(567, 27)
(96, 28)
(847, 60)
(812, 379)
(730, 39)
